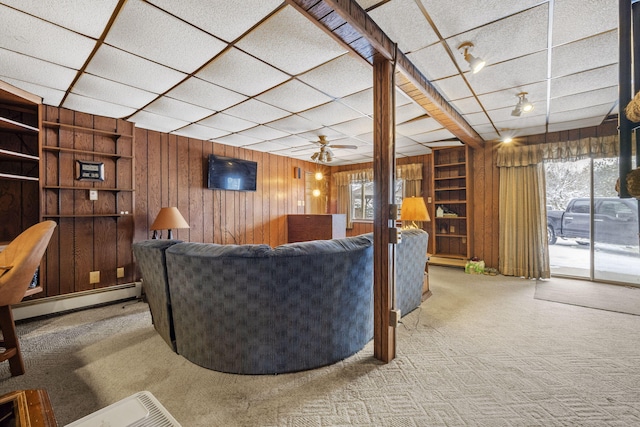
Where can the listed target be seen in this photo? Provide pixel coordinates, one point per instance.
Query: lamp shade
(414, 209)
(169, 218)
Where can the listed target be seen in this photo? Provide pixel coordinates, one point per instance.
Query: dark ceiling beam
(350, 25)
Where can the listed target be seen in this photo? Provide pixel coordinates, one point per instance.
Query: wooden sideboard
(302, 228)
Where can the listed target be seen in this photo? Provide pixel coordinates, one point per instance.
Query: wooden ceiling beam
(351, 26)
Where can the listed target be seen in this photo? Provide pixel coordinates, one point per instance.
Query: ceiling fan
(325, 154)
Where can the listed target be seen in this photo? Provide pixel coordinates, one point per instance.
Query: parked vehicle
(615, 221)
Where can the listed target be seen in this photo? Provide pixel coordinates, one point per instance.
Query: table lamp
(414, 209)
(168, 219)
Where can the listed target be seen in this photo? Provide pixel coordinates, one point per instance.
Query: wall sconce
(168, 219)
(523, 105)
(475, 63)
(414, 209)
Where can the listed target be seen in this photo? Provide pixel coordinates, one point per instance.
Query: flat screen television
(227, 173)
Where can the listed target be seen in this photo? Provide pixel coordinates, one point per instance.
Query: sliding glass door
(593, 234)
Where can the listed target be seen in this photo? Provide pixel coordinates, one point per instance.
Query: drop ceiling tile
(22, 33)
(294, 124)
(403, 141)
(290, 42)
(294, 96)
(518, 35)
(330, 114)
(341, 77)
(436, 135)
(95, 87)
(225, 19)
(586, 54)
(81, 16)
(292, 141)
(452, 88)
(264, 133)
(170, 107)
(454, 17)
(577, 124)
(467, 105)
(536, 117)
(361, 101)
(314, 135)
(417, 150)
(365, 4)
(586, 81)
(49, 96)
(434, 62)
(404, 23)
(580, 100)
(227, 123)
(525, 131)
(577, 19)
(147, 120)
(355, 127)
(238, 71)
(476, 118)
(205, 94)
(256, 111)
(198, 131)
(21, 67)
(593, 111)
(509, 74)
(455, 143)
(237, 140)
(536, 92)
(161, 37)
(96, 106)
(115, 64)
(418, 126)
(267, 146)
(409, 112)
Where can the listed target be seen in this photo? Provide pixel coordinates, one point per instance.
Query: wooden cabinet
(19, 161)
(302, 228)
(451, 225)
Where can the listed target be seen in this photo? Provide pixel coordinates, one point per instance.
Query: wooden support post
(384, 334)
(625, 75)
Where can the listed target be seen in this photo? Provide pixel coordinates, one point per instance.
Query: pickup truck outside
(615, 221)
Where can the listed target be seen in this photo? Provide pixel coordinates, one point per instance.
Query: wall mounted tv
(227, 173)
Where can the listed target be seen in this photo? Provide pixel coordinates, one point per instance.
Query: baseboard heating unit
(139, 410)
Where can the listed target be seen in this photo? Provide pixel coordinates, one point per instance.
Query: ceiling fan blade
(350, 147)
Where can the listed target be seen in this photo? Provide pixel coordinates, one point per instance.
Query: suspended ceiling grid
(259, 75)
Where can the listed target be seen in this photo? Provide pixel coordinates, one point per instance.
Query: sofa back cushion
(151, 259)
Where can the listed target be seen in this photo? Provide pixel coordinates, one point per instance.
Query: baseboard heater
(139, 410)
(77, 300)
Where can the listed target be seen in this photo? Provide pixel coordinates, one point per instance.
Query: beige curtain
(412, 176)
(344, 203)
(523, 231)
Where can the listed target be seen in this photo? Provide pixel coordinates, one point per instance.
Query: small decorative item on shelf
(443, 229)
(439, 212)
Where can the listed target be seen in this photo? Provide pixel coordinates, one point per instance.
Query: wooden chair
(18, 264)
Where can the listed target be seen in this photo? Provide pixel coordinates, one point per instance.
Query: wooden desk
(27, 408)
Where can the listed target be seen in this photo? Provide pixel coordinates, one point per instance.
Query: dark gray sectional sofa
(253, 309)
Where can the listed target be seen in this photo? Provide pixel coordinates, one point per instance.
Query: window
(362, 198)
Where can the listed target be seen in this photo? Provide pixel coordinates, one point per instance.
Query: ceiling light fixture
(476, 64)
(523, 105)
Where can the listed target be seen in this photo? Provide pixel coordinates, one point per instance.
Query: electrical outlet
(428, 199)
(94, 277)
(394, 318)
(119, 272)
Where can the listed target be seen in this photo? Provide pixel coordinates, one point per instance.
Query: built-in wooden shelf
(85, 129)
(13, 155)
(18, 177)
(86, 216)
(13, 126)
(93, 153)
(66, 187)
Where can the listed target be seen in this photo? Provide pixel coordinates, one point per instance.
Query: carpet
(618, 298)
(480, 352)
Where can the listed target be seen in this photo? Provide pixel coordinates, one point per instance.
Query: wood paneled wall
(90, 236)
(171, 171)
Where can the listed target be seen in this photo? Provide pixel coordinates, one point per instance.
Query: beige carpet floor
(482, 351)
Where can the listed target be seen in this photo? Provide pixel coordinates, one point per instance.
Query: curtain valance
(411, 172)
(596, 147)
